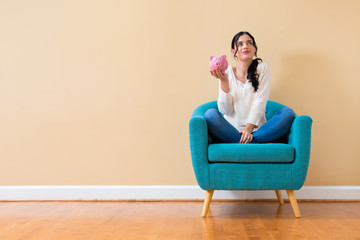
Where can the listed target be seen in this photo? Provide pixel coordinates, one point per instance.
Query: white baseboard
(28, 193)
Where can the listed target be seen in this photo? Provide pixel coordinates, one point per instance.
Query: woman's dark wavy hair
(252, 75)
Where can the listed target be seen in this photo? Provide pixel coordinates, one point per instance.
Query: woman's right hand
(219, 74)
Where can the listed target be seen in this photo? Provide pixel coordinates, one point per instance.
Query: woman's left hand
(246, 136)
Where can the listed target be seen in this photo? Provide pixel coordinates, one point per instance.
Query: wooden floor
(178, 220)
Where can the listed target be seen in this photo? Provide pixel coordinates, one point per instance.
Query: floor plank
(178, 220)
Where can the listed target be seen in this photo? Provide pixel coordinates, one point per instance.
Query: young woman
(243, 94)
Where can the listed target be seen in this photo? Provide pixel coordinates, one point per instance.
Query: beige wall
(100, 92)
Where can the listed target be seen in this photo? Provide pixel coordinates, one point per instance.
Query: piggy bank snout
(218, 63)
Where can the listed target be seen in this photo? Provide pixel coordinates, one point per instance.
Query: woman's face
(246, 48)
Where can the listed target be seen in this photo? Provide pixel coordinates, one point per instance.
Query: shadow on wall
(314, 85)
(310, 84)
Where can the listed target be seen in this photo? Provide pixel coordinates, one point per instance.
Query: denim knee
(288, 114)
(211, 114)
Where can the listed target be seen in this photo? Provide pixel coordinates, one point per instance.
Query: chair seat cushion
(251, 153)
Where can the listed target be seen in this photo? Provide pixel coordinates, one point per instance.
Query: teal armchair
(228, 166)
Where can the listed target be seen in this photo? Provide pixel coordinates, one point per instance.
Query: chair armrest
(198, 134)
(300, 139)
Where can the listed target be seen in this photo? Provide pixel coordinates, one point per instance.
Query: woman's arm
(246, 134)
(225, 103)
(224, 85)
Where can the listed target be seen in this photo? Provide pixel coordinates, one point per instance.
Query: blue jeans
(220, 130)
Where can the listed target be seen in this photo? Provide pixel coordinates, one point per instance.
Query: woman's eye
(250, 43)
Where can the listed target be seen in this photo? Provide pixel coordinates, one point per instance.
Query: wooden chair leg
(293, 202)
(279, 196)
(208, 197)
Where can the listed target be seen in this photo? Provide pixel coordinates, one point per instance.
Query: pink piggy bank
(218, 63)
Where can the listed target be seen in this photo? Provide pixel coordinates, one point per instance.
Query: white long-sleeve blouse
(242, 105)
